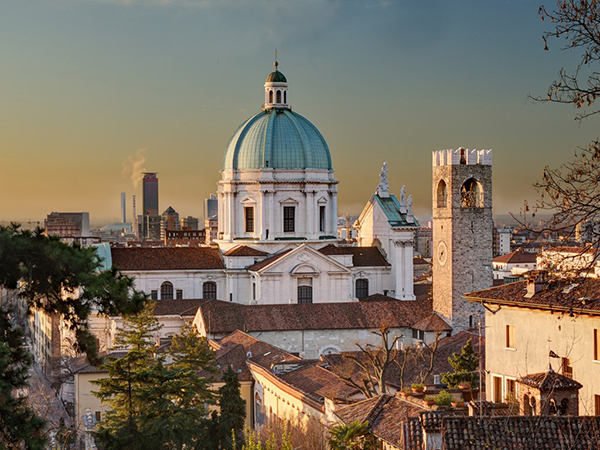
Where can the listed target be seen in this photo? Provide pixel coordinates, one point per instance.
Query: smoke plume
(134, 166)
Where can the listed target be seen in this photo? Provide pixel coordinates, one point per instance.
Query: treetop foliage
(18, 424)
(65, 280)
(578, 23)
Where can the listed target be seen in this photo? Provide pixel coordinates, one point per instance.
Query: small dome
(277, 139)
(276, 77)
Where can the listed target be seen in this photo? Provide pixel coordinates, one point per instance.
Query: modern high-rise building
(170, 221)
(150, 187)
(151, 223)
(190, 223)
(211, 206)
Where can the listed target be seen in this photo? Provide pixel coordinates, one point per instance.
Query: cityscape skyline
(97, 91)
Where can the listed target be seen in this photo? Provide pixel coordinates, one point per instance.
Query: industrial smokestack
(123, 210)
(133, 204)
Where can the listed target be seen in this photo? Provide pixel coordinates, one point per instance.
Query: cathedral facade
(277, 225)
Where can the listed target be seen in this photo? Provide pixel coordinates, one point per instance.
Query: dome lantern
(276, 88)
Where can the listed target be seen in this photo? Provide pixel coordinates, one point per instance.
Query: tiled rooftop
(523, 432)
(166, 258)
(549, 381)
(244, 250)
(224, 317)
(581, 296)
(432, 323)
(385, 414)
(177, 307)
(361, 256)
(516, 258)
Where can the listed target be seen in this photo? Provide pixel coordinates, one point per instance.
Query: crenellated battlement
(462, 156)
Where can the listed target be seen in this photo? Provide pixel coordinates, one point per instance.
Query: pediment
(288, 201)
(304, 260)
(248, 201)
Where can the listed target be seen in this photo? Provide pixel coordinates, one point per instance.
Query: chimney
(123, 212)
(536, 281)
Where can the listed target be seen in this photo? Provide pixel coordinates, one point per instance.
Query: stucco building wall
(536, 334)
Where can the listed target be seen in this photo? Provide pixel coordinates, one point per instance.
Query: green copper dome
(277, 139)
(276, 77)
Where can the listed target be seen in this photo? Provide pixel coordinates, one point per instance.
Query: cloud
(134, 166)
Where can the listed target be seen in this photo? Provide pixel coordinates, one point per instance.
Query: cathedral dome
(277, 139)
(276, 77)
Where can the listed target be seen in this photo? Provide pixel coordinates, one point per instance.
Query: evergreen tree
(232, 409)
(19, 427)
(60, 279)
(465, 365)
(127, 376)
(155, 404)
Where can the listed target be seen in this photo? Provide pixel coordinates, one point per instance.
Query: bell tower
(462, 232)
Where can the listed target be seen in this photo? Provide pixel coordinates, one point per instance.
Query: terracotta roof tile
(178, 307)
(269, 260)
(549, 381)
(166, 258)
(531, 432)
(244, 250)
(516, 257)
(581, 296)
(318, 382)
(385, 414)
(361, 256)
(257, 351)
(224, 317)
(233, 356)
(432, 323)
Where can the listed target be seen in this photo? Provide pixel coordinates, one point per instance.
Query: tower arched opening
(471, 194)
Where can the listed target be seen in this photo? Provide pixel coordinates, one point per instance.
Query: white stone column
(272, 226)
(334, 214)
(403, 269)
(310, 226)
(232, 208)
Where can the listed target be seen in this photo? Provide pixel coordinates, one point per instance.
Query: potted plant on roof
(458, 403)
(406, 392)
(464, 385)
(429, 400)
(444, 398)
(417, 388)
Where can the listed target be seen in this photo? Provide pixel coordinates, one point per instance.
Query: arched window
(362, 288)
(305, 290)
(552, 410)
(278, 96)
(471, 194)
(563, 409)
(284, 96)
(166, 291)
(442, 194)
(270, 96)
(209, 290)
